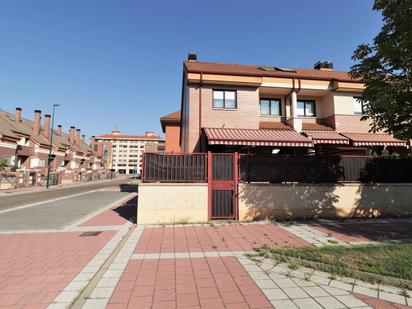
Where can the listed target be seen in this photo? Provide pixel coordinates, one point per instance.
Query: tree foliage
(386, 69)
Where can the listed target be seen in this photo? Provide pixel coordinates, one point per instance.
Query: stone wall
(163, 203)
(172, 203)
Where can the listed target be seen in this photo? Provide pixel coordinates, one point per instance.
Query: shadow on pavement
(128, 210)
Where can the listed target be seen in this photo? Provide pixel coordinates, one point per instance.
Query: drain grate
(89, 234)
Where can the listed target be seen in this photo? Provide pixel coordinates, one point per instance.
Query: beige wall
(276, 201)
(188, 203)
(172, 203)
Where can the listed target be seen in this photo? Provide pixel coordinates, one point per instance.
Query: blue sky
(118, 64)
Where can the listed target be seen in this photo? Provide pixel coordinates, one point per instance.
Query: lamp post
(51, 145)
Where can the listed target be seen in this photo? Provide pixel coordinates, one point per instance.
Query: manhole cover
(88, 234)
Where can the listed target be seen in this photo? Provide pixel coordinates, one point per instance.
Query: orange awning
(256, 137)
(327, 137)
(371, 139)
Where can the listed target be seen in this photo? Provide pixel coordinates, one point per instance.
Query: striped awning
(256, 137)
(371, 139)
(327, 137)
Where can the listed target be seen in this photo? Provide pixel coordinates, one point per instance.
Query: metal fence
(279, 168)
(323, 169)
(175, 167)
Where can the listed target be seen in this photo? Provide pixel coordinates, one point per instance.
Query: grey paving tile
(365, 291)
(399, 299)
(258, 275)
(341, 285)
(303, 282)
(307, 303)
(334, 291)
(95, 303)
(329, 302)
(294, 293)
(283, 304)
(390, 289)
(275, 294)
(266, 284)
(319, 279)
(101, 293)
(315, 291)
(285, 283)
(66, 297)
(351, 301)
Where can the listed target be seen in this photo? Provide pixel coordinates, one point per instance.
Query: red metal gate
(223, 186)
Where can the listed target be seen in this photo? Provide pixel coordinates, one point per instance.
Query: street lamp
(50, 150)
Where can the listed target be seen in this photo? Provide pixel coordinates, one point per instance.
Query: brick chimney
(78, 136)
(71, 135)
(59, 130)
(46, 128)
(36, 122)
(18, 114)
(84, 139)
(149, 133)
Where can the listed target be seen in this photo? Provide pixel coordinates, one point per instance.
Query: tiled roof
(256, 137)
(253, 70)
(115, 136)
(315, 127)
(274, 125)
(372, 139)
(25, 127)
(5, 130)
(327, 137)
(172, 116)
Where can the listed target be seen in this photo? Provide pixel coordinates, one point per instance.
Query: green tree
(3, 164)
(386, 69)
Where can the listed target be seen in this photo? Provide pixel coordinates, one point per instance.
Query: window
(359, 107)
(224, 99)
(306, 108)
(270, 107)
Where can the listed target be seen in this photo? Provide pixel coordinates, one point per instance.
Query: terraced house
(270, 109)
(25, 144)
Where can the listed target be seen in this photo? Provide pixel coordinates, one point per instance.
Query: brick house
(269, 109)
(171, 127)
(26, 145)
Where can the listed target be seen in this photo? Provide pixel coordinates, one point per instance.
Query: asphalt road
(19, 199)
(58, 214)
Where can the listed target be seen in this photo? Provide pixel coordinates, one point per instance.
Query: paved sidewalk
(35, 267)
(191, 266)
(364, 231)
(206, 238)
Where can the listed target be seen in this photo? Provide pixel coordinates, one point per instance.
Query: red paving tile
(206, 238)
(368, 230)
(35, 267)
(198, 282)
(106, 218)
(379, 303)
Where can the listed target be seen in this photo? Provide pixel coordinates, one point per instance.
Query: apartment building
(171, 127)
(25, 144)
(124, 153)
(270, 109)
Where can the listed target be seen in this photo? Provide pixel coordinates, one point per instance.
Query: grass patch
(391, 259)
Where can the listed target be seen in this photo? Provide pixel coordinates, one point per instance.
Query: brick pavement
(35, 267)
(359, 231)
(193, 266)
(207, 238)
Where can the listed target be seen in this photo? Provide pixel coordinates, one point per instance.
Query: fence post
(209, 184)
(143, 167)
(236, 184)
